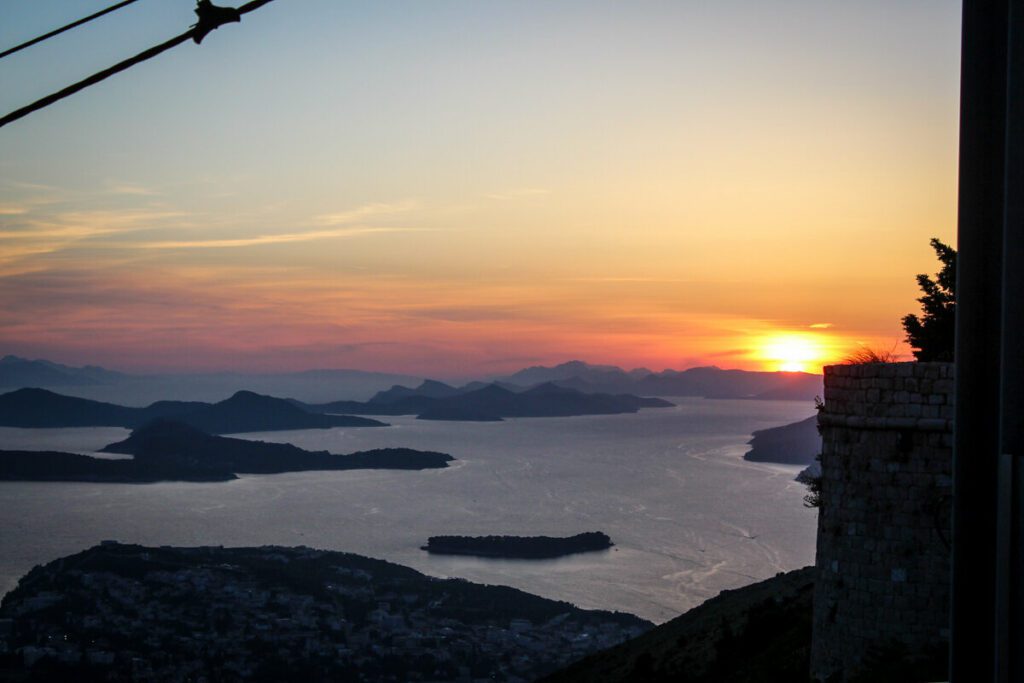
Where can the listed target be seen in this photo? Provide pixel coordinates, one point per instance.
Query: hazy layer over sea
(688, 516)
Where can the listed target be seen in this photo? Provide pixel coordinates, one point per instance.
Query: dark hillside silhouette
(243, 412)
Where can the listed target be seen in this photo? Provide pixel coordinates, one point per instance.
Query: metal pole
(978, 339)
(1010, 567)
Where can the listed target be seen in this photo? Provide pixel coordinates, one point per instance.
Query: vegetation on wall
(932, 333)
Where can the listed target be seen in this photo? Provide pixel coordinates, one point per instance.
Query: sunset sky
(451, 188)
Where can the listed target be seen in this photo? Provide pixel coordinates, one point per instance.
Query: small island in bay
(518, 547)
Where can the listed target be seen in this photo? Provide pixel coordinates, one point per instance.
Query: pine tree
(932, 334)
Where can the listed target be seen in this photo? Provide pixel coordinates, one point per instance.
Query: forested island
(59, 466)
(489, 403)
(165, 450)
(245, 411)
(518, 547)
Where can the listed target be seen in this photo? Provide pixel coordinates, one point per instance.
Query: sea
(688, 516)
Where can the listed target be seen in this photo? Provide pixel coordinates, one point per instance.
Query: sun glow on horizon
(794, 351)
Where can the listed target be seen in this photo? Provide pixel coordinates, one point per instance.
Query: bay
(688, 516)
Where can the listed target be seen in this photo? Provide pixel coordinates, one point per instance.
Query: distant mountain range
(317, 387)
(243, 412)
(704, 382)
(142, 389)
(434, 400)
(21, 372)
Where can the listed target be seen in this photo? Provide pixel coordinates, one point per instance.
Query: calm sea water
(688, 516)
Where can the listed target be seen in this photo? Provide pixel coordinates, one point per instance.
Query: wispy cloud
(280, 238)
(30, 236)
(820, 326)
(364, 213)
(82, 225)
(131, 189)
(12, 210)
(614, 279)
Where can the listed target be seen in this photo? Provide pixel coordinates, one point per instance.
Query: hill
(793, 444)
(243, 412)
(43, 408)
(250, 412)
(166, 439)
(757, 634)
(491, 402)
(127, 612)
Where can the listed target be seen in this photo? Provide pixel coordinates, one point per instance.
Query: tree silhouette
(932, 334)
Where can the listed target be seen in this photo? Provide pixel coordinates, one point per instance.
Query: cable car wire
(207, 22)
(55, 32)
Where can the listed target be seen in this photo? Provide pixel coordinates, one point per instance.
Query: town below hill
(127, 612)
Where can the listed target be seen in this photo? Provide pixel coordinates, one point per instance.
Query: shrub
(932, 334)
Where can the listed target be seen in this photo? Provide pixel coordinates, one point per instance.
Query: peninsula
(518, 547)
(793, 444)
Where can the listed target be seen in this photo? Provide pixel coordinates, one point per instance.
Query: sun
(792, 352)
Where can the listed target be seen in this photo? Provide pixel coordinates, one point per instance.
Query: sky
(461, 187)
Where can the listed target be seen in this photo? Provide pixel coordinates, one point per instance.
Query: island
(59, 466)
(518, 547)
(489, 403)
(245, 411)
(128, 612)
(166, 450)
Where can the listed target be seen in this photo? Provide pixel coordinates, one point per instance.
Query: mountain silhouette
(247, 411)
(492, 402)
(162, 440)
(244, 412)
(22, 372)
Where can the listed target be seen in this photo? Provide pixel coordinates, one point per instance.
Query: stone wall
(882, 584)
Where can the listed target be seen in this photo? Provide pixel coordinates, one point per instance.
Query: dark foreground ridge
(165, 450)
(756, 634)
(127, 612)
(518, 547)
